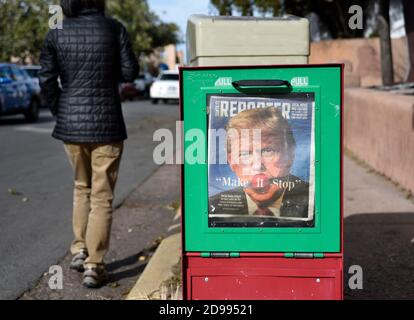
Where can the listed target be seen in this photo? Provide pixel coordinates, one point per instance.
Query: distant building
(166, 56)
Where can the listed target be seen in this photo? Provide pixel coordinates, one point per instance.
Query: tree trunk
(387, 69)
(409, 30)
(344, 24)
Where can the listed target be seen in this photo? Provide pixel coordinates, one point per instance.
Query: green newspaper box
(262, 169)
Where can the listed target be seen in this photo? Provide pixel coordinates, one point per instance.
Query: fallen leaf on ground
(13, 192)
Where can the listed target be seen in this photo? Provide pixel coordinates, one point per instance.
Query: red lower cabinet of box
(263, 278)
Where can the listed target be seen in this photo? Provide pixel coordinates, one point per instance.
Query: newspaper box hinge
(220, 255)
(304, 255)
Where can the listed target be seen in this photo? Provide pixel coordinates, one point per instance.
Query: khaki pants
(96, 170)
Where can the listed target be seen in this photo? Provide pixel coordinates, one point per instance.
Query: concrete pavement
(152, 283)
(379, 234)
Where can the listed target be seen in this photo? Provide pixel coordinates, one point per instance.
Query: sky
(178, 11)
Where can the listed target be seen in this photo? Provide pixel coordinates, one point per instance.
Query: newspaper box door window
(261, 160)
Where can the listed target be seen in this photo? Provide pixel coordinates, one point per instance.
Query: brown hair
(269, 120)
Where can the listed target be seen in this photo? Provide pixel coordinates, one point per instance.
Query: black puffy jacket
(91, 54)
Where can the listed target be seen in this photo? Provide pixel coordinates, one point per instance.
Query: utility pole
(384, 29)
(409, 30)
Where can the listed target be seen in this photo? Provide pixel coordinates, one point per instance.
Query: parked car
(143, 83)
(127, 91)
(33, 72)
(18, 93)
(165, 87)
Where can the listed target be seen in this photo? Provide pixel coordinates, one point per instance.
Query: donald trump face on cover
(262, 163)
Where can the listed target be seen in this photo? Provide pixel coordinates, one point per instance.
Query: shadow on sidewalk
(125, 273)
(383, 245)
(136, 265)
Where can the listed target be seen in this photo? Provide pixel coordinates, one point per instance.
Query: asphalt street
(36, 189)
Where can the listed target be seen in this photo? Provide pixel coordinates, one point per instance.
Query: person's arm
(129, 63)
(49, 73)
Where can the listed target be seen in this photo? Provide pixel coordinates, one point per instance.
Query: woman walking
(91, 55)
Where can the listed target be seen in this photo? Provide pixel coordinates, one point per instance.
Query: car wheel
(165, 101)
(146, 94)
(154, 101)
(32, 115)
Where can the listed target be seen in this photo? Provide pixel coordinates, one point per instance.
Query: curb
(159, 269)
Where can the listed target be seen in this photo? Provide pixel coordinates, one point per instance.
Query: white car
(165, 87)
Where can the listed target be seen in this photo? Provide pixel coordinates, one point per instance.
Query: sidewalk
(378, 232)
(144, 216)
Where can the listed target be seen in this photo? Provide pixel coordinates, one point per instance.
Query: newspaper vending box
(261, 182)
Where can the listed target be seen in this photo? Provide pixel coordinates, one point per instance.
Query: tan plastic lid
(213, 36)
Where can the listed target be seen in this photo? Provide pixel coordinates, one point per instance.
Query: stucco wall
(361, 58)
(379, 129)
